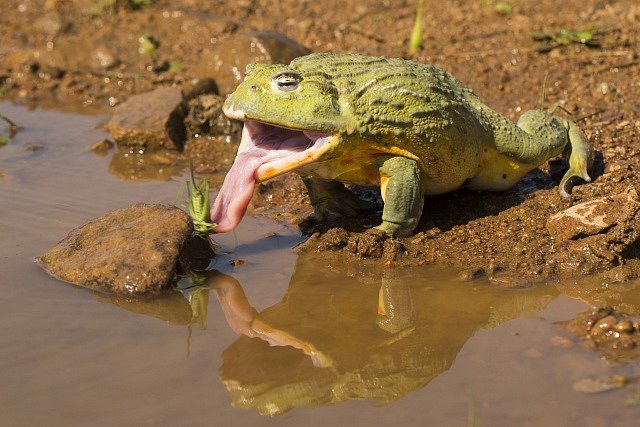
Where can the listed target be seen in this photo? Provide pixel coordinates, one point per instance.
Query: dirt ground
(84, 55)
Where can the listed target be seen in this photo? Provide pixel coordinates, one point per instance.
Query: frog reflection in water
(333, 338)
(410, 129)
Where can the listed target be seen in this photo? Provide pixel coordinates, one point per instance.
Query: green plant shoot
(566, 37)
(415, 43)
(199, 205)
(148, 46)
(174, 67)
(115, 5)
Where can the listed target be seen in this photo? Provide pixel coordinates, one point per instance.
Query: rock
(603, 325)
(596, 235)
(226, 64)
(131, 251)
(205, 118)
(592, 217)
(150, 121)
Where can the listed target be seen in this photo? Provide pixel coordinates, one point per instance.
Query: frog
(411, 129)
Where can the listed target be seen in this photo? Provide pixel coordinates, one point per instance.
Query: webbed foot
(331, 199)
(580, 159)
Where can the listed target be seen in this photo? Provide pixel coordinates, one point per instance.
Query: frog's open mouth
(265, 151)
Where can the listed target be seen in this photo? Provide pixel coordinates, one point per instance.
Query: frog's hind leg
(549, 136)
(580, 154)
(403, 194)
(330, 198)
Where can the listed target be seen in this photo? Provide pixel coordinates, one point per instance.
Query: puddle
(330, 342)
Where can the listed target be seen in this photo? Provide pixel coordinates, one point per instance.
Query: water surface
(349, 344)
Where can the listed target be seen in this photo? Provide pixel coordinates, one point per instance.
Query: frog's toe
(569, 178)
(397, 230)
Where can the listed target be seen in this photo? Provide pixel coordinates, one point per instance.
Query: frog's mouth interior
(265, 151)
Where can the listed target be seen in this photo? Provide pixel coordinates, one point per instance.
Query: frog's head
(282, 96)
(290, 120)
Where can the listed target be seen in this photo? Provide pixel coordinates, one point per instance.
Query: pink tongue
(236, 191)
(260, 144)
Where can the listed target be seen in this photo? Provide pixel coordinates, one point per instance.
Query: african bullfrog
(409, 128)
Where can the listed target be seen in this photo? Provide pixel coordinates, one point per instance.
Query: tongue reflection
(260, 144)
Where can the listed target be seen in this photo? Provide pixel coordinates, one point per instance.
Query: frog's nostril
(253, 88)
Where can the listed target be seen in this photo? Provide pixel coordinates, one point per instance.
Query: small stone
(131, 251)
(624, 326)
(150, 121)
(592, 217)
(624, 342)
(598, 385)
(205, 118)
(32, 148)
(603, 325)
(510, 280)
(472, 274)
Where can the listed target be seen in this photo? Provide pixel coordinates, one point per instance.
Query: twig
(13, 128)
(618, 66)
(588, 116)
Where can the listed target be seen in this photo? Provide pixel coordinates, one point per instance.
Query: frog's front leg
(330, 198)
(403, 194)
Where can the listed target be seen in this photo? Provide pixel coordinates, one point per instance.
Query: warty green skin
(411, 128)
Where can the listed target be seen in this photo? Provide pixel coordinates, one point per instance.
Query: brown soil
(57, 52)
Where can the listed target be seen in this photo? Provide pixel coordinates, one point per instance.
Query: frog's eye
(286, 81)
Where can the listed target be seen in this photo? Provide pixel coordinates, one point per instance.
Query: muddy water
(380, 347)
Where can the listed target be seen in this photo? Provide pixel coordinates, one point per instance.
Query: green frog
(409, 128)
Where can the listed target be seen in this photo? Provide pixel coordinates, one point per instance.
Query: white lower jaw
(279, 166)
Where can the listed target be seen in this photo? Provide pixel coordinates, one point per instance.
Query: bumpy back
(392, 96)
